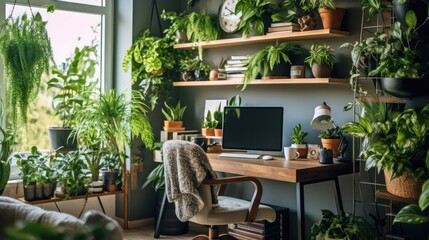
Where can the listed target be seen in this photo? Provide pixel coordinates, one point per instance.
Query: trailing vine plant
(26, 52)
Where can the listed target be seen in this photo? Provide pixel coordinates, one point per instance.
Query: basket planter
(333, 144)
(403, 186)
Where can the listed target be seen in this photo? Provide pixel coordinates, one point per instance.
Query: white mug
(291, 153)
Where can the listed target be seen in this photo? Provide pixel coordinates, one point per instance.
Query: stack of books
(235, 67)
(283, 27)
(263, 230)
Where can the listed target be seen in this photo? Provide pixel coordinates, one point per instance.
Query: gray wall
(298, 100)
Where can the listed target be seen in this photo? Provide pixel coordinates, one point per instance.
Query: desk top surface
(299, 170)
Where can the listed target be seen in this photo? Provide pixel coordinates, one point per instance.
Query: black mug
(201, 141)
(326, 156)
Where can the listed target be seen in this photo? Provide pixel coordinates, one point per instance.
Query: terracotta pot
(332, 144)
(332, 19)
(218, 132)
(208, 131)
(301, 149)
(403, 186)
(173, 124)
(320, 71)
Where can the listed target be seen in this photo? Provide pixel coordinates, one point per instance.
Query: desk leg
(300, 211)
(161, 215)
(338, 200)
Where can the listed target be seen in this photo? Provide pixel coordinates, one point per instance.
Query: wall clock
(228, 20)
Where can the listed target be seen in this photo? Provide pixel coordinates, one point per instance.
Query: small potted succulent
(298, 140)
(208, 125)
(331, 140)
(173, 116)
(321, 60)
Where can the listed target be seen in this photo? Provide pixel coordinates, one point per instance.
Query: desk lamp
(322, 120)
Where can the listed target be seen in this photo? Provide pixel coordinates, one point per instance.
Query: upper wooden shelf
(263, 82)
(231, 42)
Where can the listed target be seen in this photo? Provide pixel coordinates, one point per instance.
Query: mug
(326, 156)
(201, 141)
(291, 153)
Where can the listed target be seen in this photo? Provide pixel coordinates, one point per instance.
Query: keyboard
(239, 155)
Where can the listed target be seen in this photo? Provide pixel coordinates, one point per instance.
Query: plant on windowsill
(296, 11)
(298, 140)
(396, 143)
(332, 17)
(26, 52)
(271, 61)
(252, 16)
(7, 140)
(208, 125)
(342, 226)
(173, 116)
(29, 171)
(74, 81)
(111, 171)
(331, 140)
(152, 61)
(321, 60)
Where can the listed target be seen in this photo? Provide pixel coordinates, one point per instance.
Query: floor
(147, 232)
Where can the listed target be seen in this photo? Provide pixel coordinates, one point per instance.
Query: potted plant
(252, 14)
(173, 116)
(402, 65)
(177, 29)
(321, 60)
(419, 8)
(271, 60)
(296, 11)
(28, 172)
(208, 125)
(218, 114)
(397, 145)
(342, 226)
(374, 7)
(152, 61)
(26, 52)
(188, 67)
(332, 17)
(111, 172)
(75, 81)
(7, 140)
(73, 176)
(331, 140)
(298, 140)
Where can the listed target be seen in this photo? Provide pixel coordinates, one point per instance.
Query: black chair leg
(161, 215)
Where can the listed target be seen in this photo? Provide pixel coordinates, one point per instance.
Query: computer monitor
(254, 129)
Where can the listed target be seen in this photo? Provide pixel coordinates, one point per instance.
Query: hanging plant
(26, 52)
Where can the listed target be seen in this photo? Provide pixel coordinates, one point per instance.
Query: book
(286, 31)
(234, 65)
(235, 75)
(277, 29)
(239, 57)
(231, 69)
(284, 24)
(228, 62)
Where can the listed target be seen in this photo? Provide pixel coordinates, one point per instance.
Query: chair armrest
(257, 194)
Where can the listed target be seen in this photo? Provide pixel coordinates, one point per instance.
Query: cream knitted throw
(186, 165)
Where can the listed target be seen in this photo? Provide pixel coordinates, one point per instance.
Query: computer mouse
(267, 157)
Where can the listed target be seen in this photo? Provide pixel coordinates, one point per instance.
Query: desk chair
(212, 208)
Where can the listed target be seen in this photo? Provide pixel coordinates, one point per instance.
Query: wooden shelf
(57, 199)
(263, 82)
(383, 194)
(231, 42)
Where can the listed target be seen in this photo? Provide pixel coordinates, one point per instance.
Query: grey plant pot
(59, 138)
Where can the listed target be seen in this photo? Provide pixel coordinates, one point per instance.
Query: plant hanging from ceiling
(26, 52)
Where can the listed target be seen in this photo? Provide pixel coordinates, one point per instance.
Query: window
(74, 23)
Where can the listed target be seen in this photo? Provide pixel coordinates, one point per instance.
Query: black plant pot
(170, 224)
(420, 8)
(281, 70)
(109, 180)
(30, 192)
(59, 138)
(405, 87)
(200, 75)
(188, 76)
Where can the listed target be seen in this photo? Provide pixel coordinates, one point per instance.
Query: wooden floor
(148, 231)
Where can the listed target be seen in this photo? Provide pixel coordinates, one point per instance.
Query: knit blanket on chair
(186, 165)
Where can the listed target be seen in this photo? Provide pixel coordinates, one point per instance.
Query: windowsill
(14, 189)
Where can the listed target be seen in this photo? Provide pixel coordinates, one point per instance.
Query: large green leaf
(411, 214)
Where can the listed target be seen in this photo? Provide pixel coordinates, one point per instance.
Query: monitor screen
(253, 128)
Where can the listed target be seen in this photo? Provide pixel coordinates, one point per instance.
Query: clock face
(228, 20)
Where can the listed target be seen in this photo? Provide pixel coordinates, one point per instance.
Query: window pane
(88, 2)
(67, 30)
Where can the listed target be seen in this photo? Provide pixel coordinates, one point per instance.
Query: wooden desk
(301, 172)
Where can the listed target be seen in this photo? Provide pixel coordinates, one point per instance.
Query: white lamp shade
(322, 119)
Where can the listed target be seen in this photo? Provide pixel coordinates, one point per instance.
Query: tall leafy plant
(252, 14)
(26, 52)
(7, 139)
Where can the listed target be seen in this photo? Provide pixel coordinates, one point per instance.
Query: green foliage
(190, 64)
(156, 178)
(74, 79)
(173, 113)
(298, 136)
(332, 133)
(328, 4)
(321, 54)
(252, 13)
(28, 164)
(179, 22)
(374, 7)
(401, 58)
(209, 121)
(290, 10)
(152, 61)
(267, 58)
(7, 140)
(26, 52)
(342, 226)
(392, 141)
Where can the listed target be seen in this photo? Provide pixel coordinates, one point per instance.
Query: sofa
(13, 211)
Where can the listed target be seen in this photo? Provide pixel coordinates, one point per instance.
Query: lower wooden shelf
(385, 195)
(57, 199)
(263, 82)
